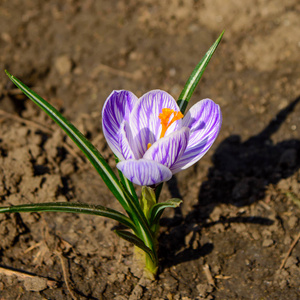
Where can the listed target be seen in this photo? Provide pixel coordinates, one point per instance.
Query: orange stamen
(149, 145)
(165, 119)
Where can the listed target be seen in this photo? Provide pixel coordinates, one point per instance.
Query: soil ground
(241, 207)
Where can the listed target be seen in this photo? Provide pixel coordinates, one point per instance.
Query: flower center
(167, 118)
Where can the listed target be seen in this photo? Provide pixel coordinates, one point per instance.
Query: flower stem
(146, 263)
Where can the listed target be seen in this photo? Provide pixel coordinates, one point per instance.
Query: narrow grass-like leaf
(72, 207)
(190, 86)
(196, 75)
(128, 236)
(158, 191)
(158, 209)
(138, 216)
(141, 223)
(93, 155)
(128, 184)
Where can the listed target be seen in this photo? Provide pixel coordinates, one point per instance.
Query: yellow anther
(149, 145)
(165, 119)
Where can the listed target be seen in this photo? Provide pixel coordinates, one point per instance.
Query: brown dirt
(241, 202)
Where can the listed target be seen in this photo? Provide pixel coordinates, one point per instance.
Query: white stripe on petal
(144, 172)
(169, 149)
(117, 108)
(144, 120)
(204, 120)
(124, 138)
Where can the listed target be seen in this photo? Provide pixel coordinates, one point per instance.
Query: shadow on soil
(239, 176)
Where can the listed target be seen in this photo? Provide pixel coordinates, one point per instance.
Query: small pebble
(63, 64)
(267, 243)
(292, 221)
(291, 261)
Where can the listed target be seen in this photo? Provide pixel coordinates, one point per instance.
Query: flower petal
(204, 120)
(144, 120)
(169, 149)
(124, 137)
(144, 172)
(117, 108)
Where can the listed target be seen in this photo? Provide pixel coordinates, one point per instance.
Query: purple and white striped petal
(117, 108)
(169, 149)
(144, 121)
(204, 120)
(144, 172)
(125, 137)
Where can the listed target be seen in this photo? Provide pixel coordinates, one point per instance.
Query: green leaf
(128, 184)
(196, 75)
(190, 86)
(128, 236)
(79, 139)
(72, 207)
(148, 200)
(158, 209)
(158, 191)
(140, 221)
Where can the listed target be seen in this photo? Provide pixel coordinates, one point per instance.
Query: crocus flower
(152, 138)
